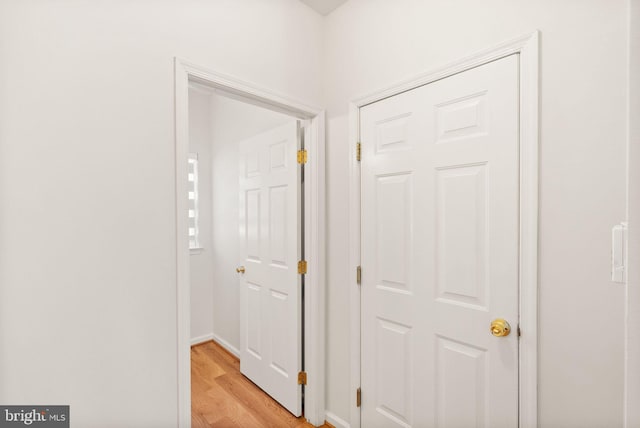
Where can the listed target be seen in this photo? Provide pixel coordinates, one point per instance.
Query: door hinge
(358, 152)
(302, 156)
(359, 274)
(302, 378)
(302, 267)
(358, 397)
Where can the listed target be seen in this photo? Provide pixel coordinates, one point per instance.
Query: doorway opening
(242, 209)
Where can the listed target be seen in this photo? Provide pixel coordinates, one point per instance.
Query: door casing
(314, 228)
(527, 47)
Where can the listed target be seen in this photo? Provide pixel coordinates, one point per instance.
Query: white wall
(87, 258)
(200, 265)
(337, 395)
(633, 285)
(373, 43)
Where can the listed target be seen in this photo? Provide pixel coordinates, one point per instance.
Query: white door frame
(314, 200)
(527, 47)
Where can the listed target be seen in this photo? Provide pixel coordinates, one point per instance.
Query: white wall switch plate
(618, 252)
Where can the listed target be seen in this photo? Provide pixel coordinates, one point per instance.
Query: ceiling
(323, 7)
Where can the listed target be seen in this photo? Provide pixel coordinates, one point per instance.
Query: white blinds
(193, 200)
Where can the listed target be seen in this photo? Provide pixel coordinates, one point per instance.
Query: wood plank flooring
(221, 397)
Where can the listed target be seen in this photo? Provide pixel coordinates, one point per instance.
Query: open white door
(270, 298)
(440, 229)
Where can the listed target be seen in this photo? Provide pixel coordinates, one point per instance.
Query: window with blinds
(194, 242)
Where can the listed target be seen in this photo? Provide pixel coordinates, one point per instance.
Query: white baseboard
(335, 420)
(226, 345)
(212, 336)
(201, 339)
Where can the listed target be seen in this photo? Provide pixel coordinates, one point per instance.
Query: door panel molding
(527, 47)
(314, 244)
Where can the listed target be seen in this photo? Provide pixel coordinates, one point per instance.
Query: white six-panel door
(270, 299)
(440, 253)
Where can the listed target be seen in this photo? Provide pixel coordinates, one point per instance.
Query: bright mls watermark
(36, 416)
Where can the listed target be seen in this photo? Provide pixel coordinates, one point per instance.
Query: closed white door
(440, 220)
(270, 298)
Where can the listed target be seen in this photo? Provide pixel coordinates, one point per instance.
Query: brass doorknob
(240, 269)
(500, 327)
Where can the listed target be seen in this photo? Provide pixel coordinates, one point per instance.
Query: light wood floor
(221, 397)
